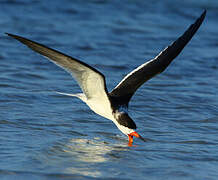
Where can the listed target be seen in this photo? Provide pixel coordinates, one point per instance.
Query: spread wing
(131, 82)
(91, 81)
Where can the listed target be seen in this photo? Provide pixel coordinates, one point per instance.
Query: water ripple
(47, 136)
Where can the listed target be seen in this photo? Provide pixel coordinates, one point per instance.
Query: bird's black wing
(91, 81)
(132, 81)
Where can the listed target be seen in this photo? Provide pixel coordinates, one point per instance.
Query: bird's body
(113, 105)
(101, 106)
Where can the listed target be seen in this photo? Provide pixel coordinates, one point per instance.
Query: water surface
(44, 135)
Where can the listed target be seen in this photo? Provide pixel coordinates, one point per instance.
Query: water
(44, 135)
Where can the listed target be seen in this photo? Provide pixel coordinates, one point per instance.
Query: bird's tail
(78, 95)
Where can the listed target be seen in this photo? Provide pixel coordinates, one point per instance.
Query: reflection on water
(87, 150)
(85, 171)
(80, 156)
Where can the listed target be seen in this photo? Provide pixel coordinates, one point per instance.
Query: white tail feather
(78, 95)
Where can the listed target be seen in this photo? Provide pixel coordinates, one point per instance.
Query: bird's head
(127, 126)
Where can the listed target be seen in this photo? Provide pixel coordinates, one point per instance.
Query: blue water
(44, 135)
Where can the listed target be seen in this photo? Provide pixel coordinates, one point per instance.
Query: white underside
(102, 107)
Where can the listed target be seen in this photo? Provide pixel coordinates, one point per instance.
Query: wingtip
(204, 13)
(202, 17)
(9, 34)
(19, 38)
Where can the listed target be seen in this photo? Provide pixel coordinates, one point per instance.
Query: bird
(113, 105)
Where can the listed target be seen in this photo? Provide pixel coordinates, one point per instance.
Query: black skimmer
(113, 105)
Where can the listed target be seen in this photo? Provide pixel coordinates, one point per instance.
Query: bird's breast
(101, 106)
